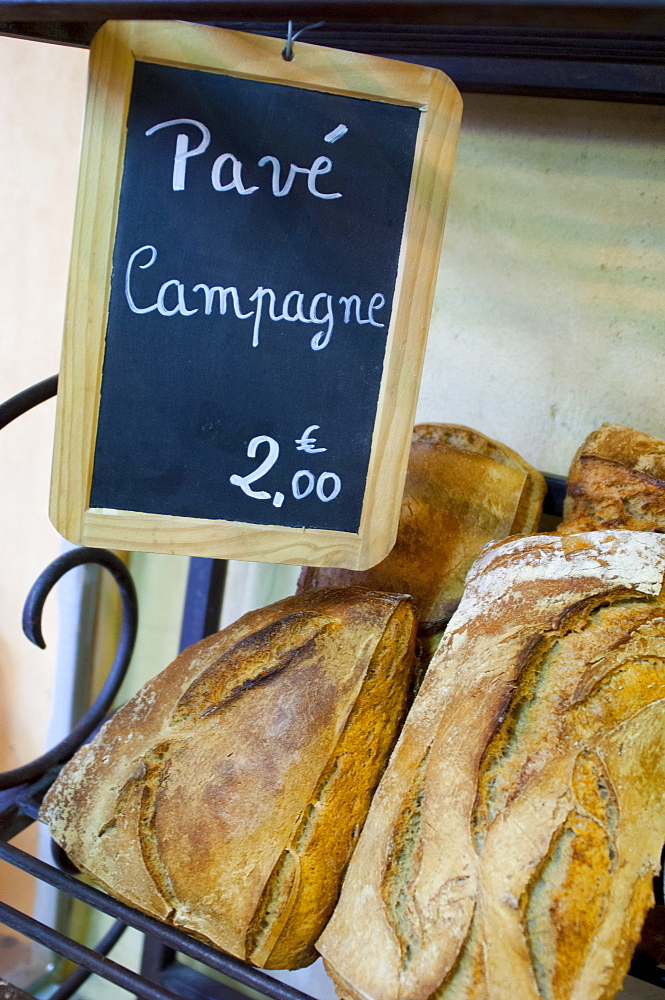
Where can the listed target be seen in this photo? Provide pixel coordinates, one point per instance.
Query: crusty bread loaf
(462, 491)
(227, 795)
(511, 845)
(616, 480)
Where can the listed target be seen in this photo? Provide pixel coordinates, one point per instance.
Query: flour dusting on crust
(631, 559)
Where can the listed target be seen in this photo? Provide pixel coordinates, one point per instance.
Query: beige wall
(40, 113)
(41, 100)
(550, 309)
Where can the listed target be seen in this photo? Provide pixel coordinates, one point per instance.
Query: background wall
(41, 103)
(550, 308)
(547, 321)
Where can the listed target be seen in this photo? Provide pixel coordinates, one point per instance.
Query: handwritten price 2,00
(327, 484)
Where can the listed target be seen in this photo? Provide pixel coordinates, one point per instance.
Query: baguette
(227, 795)
(512, 842)
(462, 491)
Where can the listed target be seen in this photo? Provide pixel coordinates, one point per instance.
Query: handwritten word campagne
(321, 165)
(171, 301)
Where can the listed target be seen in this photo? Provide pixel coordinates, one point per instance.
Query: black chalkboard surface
(252, 313)
(257, 252)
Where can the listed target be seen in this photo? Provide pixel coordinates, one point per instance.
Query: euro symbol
(306, 443)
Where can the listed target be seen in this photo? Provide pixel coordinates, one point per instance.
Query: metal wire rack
(163, 975)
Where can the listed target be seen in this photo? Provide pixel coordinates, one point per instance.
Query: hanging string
(287, 52)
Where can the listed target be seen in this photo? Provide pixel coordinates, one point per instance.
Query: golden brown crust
(510, 843)
(342, 988)
(462, 490)
(616, 480)
(331, 825)
(207, 799)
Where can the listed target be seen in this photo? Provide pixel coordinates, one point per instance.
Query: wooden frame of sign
(92, 501)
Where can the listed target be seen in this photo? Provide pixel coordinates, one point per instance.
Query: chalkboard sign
(255, 252)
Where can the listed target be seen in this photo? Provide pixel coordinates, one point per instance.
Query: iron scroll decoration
(25, 786)
(32, 614)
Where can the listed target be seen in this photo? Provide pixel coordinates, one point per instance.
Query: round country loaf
(227, 795)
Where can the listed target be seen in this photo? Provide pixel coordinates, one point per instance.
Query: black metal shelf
(602, 51)
(163, 976)
(169, 936)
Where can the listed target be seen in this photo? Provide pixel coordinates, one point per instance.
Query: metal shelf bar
(642, 15)
(81, 975)
(69, 948)
(572, 49)
(173, 938)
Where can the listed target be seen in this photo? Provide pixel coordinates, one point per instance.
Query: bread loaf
(616, 480)
(462, 491)
(512, 842)
(227, 795)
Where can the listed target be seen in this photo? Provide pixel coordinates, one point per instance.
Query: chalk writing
(183, 153)
(172, 300)
(307, 443)
(328, 485)
(255, 263)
